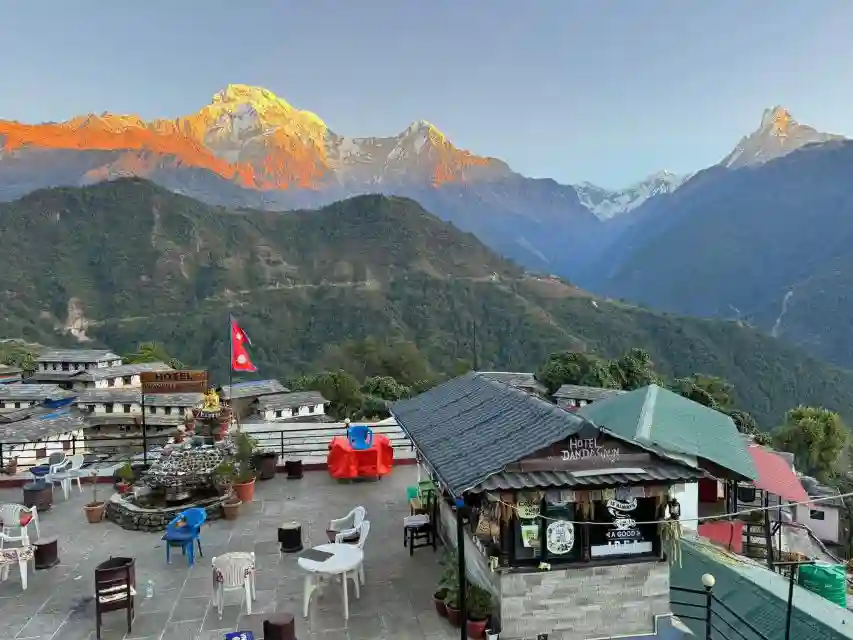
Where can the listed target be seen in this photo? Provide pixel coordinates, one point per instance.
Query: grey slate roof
(52, 376)
(174, 399)
(76, 355)
(290, 400)
(22, 391)
(253, 389)
(116, 394)
(105, 373)
(111, 419)
(578, 392)
(653, 472)
(7, 369)
(471, 427)
(42, 426)
(521, 380)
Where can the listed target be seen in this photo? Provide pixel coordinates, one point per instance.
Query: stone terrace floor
(395, 603)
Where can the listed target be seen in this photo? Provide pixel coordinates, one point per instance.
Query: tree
(572, 367)
(744, 421)
(369, 358)
(385, 387)
(710, 391)
(340, 388)
(635, 370)
(152, 352)
(816, 436)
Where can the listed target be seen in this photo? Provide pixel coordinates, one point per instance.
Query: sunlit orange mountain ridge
(251, 137)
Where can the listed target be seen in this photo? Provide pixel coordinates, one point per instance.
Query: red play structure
(360, 454)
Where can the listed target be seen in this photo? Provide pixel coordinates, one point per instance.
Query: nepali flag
(240, 360)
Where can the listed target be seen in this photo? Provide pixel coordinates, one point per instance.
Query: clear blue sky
(600, 90)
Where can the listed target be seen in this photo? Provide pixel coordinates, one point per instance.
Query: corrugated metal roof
(33, 392)
(254, 388)
(105, 373)
(578, 392)
(473, 426)
(291, 400)
(40, 427)
(657, 417)
(776, 476)
(77, 355)
(756, 594)
(654, 472)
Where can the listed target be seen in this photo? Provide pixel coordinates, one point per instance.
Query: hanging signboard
(158, 382)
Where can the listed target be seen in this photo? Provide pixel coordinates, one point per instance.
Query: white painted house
(123, 375)
(823, 518)
(572, 396)
(58, 365)
(19, 395)
(287, 406)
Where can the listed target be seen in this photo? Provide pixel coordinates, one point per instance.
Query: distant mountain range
(128, 262)
(251, 148)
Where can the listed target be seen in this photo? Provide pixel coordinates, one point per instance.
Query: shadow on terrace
(396, 600)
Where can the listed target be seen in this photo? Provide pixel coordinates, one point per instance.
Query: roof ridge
(548, 406)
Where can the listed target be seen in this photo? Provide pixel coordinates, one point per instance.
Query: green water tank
(827, 580)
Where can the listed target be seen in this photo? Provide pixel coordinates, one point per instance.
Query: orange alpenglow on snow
(249, 136)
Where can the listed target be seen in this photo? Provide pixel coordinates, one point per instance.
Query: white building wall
(687, 495)
(826, 529)
(302, 412)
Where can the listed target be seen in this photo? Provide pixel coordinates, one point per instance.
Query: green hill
(125, 262)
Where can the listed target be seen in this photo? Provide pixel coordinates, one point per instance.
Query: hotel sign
(159, 382)
(588, 448)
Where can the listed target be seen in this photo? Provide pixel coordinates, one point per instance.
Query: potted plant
(479, 605)
(449, 577)
(244, 484)
(223, 477)
(125, 477)
(439, 598)
(451, 602)
(95, 509)
(266, 462)
(231, 507)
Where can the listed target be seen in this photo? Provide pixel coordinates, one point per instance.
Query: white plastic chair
(72, 470)
(233, 571)
(348, 527)
(10, 516)
(15, 555)
(362, 538)
(58, 463)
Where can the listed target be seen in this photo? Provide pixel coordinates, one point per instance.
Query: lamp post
(708, 581)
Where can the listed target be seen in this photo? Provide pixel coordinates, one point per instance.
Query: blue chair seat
(184, 536)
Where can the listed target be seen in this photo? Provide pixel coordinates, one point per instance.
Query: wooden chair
(115, 588)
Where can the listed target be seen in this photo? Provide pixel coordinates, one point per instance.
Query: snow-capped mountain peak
(607, 203)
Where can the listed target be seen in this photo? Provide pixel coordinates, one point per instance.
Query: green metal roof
(658, 418)
(755, 593)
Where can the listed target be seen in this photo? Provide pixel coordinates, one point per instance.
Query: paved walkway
(395, 604)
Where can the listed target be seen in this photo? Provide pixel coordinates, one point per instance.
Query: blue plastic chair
(360, 437)
(184, 536)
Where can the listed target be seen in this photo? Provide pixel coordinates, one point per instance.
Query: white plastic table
(346, 558)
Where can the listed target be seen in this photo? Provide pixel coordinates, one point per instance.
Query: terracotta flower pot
(438, 599)
(454, 616)
(477, 629)
(231, 509)
(94, 512)
(245, 490)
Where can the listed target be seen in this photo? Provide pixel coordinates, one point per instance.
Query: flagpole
(231, 366)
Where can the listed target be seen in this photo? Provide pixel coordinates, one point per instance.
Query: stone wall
(134, 518)
(585, 602)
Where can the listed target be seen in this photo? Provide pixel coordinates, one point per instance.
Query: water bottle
(149, 589)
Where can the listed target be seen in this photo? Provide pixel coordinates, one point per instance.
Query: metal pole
(144, 430)
(793, 569)
(709, 598)
(460, 554)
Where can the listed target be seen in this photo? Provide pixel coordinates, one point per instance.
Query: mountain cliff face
(249, 147)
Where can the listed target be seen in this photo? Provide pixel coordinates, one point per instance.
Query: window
(294, 411)
(279, 414)
(111, 382)
(91, 408)
(555, 538)
(552, 539)
(168, 411)
(127, 379)
(126, 408)
(109, 407)
(65, 366)
(312, 409)
(17, 405)
(814, 514)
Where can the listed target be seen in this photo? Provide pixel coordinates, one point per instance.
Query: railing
(717, 619)
(294, 441)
